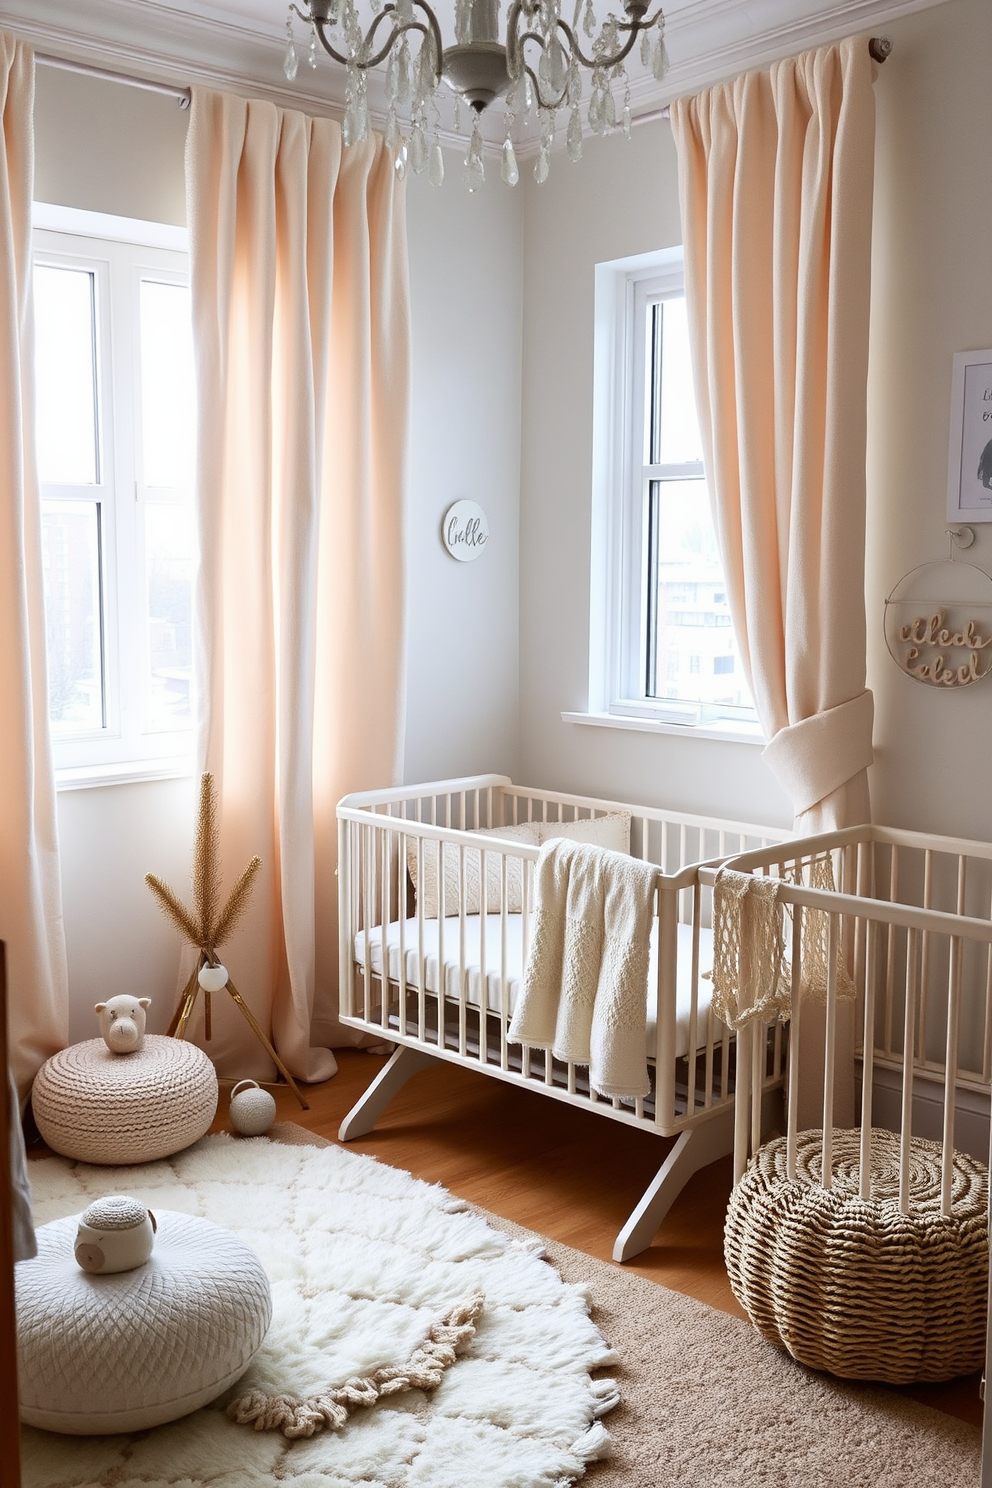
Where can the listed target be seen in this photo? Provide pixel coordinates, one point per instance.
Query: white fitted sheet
(453, 959)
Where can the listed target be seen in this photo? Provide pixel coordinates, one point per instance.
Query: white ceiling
(239, 43)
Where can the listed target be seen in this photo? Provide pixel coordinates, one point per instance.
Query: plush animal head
(116, 1233)
(122, 1022)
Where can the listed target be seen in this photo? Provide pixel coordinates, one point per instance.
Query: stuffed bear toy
(122, 1022)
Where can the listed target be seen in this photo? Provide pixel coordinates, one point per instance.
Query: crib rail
(909, 923)
(435, 930)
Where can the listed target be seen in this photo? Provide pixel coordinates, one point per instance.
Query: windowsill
(742, 733)
(86, 777)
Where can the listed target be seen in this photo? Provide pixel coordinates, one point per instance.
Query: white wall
(466, 270)
(111, 148)
(932, 295)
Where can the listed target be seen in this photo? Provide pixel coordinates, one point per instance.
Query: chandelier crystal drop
(538, 68)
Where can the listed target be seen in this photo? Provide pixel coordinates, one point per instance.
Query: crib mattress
(474, 929)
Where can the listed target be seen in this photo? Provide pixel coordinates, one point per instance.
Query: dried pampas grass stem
(206, 926)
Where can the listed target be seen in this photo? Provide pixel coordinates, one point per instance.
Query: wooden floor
(563, 1172)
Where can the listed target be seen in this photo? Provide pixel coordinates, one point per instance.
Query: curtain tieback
(815, 756)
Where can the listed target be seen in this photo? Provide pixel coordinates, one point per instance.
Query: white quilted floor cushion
(102, 1354)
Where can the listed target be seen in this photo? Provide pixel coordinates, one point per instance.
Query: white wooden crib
(437, 972)
(910, 915)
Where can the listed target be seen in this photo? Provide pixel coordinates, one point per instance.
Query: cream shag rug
(362, 1259)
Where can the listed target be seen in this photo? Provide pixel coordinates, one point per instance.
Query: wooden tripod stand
(187, 1002)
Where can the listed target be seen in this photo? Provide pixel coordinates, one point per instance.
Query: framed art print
(969, 476)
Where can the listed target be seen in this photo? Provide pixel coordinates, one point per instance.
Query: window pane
(674, 436)
(65, 376)
(169, 572)
(70, 535)
(692, 651)
(167, 386)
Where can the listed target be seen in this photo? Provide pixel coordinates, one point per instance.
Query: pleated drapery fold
(298, 266)
(776, 172)
(30, 887)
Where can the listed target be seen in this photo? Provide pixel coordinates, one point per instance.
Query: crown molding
(708, 40)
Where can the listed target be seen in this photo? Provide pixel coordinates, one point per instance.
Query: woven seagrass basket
(853, 1286)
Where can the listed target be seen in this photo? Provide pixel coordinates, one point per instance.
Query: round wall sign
(465, 531)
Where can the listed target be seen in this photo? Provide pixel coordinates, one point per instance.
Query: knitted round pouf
(133, 1349)
(101, 1107)
(855, 1287)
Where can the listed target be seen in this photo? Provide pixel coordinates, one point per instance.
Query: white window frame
(120, 252)
(617, 661)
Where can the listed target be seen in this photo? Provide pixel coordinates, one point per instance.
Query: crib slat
(692, 1048)
(890, 969)
(504, 979)
(951, 1065)
(868, 1061)
(367, 900)
(401, 870)
(742, 1103)
(830, 1050)
(759, 1044)
(384, 885)
(421, 955)
(906, 1130)
(346, 923)
(921, 1038)
(795, 1018)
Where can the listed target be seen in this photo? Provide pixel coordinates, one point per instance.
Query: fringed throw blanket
(750, 980)
(584, 995)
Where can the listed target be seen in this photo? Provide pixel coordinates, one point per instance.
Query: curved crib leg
(693, 1150)
(402, 1064)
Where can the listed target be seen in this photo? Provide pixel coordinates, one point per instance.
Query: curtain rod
(169, 90)
(879, 48)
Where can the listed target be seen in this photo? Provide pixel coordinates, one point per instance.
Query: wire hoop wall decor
(938, 623)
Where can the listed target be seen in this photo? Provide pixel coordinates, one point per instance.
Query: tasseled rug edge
(329, 1409)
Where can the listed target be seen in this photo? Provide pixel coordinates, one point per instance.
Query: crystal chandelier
(480, 69)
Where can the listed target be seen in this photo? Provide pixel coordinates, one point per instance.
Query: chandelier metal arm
(515, 42)
(634, 27)
(398, 30)
(431, 27)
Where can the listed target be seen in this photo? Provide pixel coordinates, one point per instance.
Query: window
(662, 635)
(115, 443)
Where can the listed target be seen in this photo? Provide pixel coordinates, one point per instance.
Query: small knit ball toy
(252, 1109)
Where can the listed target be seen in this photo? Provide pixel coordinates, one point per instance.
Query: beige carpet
(706, 1403)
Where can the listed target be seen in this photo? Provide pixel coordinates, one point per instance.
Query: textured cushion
(525, 832)
(122, 1352)
(101, 1107)
(612, 831)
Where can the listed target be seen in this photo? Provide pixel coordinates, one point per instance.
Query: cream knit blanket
(584, 995)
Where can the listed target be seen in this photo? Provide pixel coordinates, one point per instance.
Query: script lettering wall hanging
(938, 624)
(465, 530)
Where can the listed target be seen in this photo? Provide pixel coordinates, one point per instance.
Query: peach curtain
(301, 326)
(775, 172)
(30, 887)
(775, 175)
